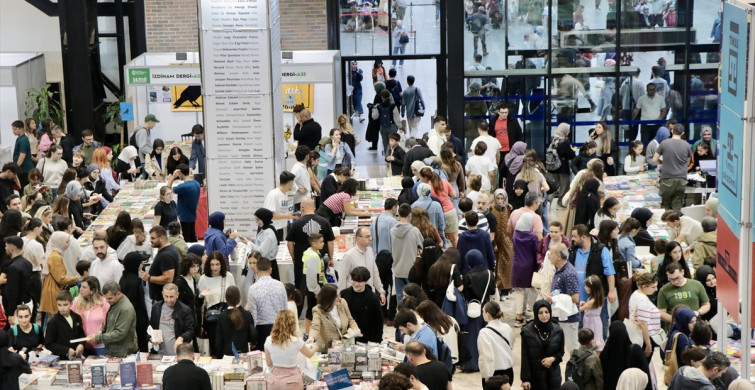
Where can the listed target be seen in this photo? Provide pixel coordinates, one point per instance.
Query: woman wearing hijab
(215, 238)
(524, 264)
(266, 241)
(542, 350)
(434, 208)
(129, 166)
(479, 285)
(431, 252)
(643, 238)
(75, 192)
(707, 277)
(516, 196)
(588, 203)
(662, 134)
(55, 273)
(711, 207)
(619, 354)
(96, 185)
(633, 379)
(513, 162)
(407, 194)
(563, 147)
(684, 321)
(12, 365)
(504, 247)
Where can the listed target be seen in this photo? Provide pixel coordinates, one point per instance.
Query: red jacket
(542, 247)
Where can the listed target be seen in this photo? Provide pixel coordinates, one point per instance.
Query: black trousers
(508, 372)
(187, 228)
(262, 332)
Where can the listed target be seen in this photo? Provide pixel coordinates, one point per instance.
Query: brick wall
(303, 24)
(172, 25)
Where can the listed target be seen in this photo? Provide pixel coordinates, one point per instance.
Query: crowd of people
(470, 236)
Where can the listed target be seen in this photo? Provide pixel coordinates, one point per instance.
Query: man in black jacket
(60, 331)
(416, 150)
(307, 131)
(174, 319)
(185, 374)
(131, 286)
(507, 131)
(18, 286)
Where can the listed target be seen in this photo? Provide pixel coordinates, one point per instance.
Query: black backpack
(575, 368)
(445, 356)
(132, 139)
(386, 115)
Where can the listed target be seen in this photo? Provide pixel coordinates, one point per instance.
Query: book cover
(73, 370)
(144, 374)
(255, 362)
(339, 380)
(98, 375)
(128, 374)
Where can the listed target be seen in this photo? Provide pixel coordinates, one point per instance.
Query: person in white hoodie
(106, 267)
(406, 245)
(495, 345)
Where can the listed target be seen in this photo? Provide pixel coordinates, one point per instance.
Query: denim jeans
(399, 48)
(400, 283)
(356, 101)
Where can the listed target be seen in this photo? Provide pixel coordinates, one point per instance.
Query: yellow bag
(672, 365)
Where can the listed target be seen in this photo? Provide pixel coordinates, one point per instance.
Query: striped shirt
(482, 223)
(642, 309)
(335, 202)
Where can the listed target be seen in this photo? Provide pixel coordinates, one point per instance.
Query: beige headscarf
(632, 379)
(57, 243)
(562, 131)
(741, 384)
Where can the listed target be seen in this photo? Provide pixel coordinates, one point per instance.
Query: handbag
(419, 108)
(403, 39)
(212, 313)
(634, 331)
(672, 365)
(474, 307)
(537, 280)
(450, 293)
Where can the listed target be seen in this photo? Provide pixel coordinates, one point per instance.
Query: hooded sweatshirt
(690, 378)
(214, 237)
(405, 240)
(475, 239)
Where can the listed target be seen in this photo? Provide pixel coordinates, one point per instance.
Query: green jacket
(119, 332)
(704, 247)
(180, 244)
(593, 370)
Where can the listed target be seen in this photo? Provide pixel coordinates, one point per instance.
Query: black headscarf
(542, 327)
(266, 216)
(619, 354)
(701, 275)
(515, 201)
(588, 203)
(642, 214)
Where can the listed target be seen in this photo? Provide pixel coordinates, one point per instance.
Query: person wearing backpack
(141, 139)
(495, 345)
(584, 368)
(25, 334)
(394, 86)
(388, 116)
(558, 157)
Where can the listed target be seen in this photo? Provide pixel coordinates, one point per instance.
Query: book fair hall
(377, 194)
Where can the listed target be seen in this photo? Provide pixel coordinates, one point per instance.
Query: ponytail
(237, 318)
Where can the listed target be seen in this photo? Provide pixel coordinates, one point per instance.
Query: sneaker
(304, 336)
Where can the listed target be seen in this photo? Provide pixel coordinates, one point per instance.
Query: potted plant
(42, 104)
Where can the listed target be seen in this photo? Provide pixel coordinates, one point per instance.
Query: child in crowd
(588, 362)
(516, 200)
(64, 327)
(78, 159)
(293, 299)
(313, 271)
(82, 267)
(635, 161)
(395, 157)
(660, 248)
(35, 187)
(592, 308)
(587, 152)
(475, 185)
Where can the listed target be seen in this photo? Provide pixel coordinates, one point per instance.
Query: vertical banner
(241, 79)
(731, 158)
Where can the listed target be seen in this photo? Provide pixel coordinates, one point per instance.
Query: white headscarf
(525, 222)
(127, 154)
(632, 379)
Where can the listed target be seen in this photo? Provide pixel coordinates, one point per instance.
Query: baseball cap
(151, 118)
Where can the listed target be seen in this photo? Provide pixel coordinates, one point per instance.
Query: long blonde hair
(528, 172)
(96, 298)
(284, 328)
(344, 124)
(606, 140)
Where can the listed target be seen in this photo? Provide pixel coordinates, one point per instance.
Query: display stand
(240, 59)
(154, 83)
(18, 73)
(313, 77)
(736, 167)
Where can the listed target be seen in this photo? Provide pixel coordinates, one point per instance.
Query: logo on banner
(730, 173)
(138, 76)
(733, 58)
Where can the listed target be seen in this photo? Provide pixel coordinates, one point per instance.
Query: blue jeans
(604, 319)
(356, 101)
(396, 49)
(400, 283)
(144, 172)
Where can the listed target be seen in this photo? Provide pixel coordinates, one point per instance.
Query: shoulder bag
(634, 331)
(474, 307)
(450, 293)
(672, 365)
(212, 313)
(499, 333)
(419, 107)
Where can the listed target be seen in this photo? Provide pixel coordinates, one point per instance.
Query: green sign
(138, 76)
